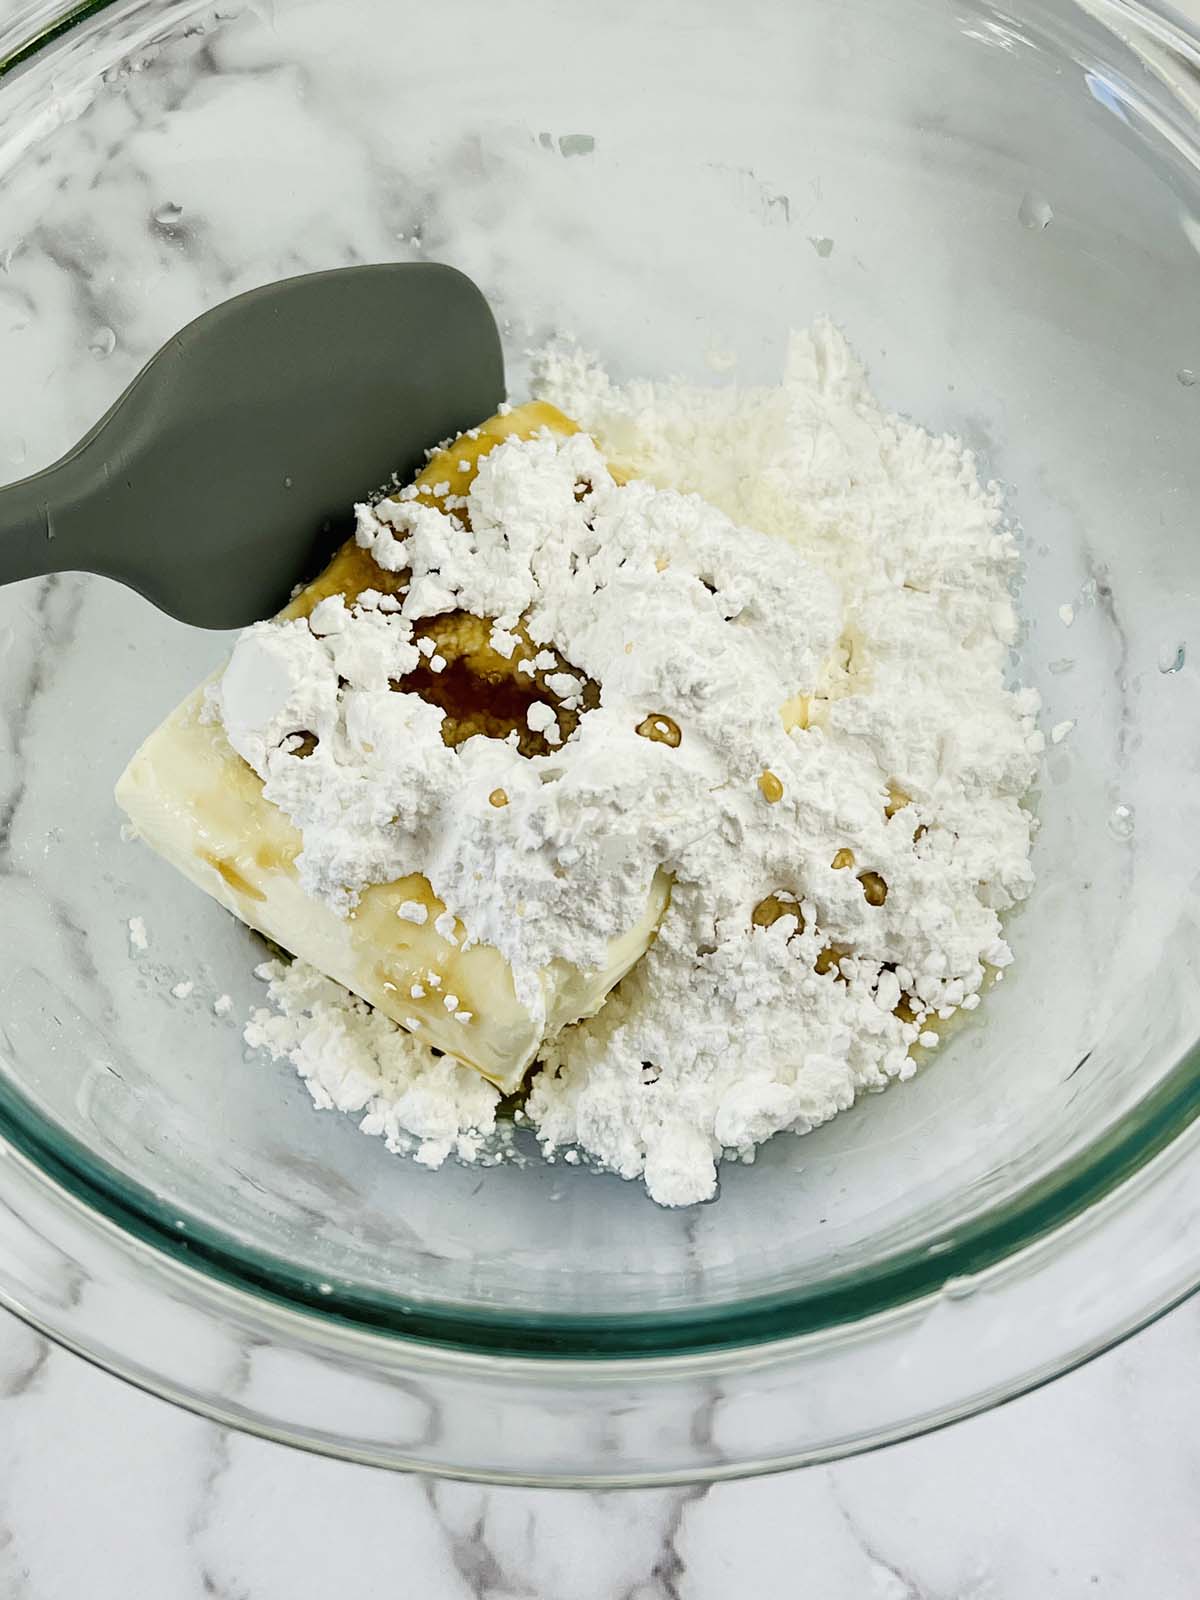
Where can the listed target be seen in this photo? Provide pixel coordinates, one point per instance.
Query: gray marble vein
(217, 1449)
(51, 618)
(474, 1559)
(669, 1575)
(887, 1576)
(27, 1354)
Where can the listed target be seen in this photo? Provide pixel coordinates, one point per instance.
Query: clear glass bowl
(1003, 209)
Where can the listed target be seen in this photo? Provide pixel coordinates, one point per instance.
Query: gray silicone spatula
(230, 466)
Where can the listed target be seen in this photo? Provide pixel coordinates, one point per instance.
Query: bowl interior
(663, 182)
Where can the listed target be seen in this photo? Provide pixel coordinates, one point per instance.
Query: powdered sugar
(354, 1059)
(806, 725)
(652, 594)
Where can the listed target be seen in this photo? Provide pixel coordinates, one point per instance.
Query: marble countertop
(1085, 1489)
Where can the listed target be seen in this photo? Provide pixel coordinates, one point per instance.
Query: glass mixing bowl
(1003, 209)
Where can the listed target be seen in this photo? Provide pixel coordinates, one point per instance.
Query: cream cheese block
(194, 800)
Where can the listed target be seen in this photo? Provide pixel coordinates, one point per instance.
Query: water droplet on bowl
(1120, 822)
(102, 343)
(287, 483)
(822, 245)
(1035, 211)
(958, 1288)
(169, 214)
(1186, 377)
(1171, 658)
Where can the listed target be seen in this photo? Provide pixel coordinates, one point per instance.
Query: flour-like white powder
(798, 616)
(655, 595)
(350, 1056)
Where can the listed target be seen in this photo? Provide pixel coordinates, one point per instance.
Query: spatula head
(230, 468)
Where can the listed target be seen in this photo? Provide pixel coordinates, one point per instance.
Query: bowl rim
(653, 1420)
(959, 1252)
(893, 1281)
(24, 48)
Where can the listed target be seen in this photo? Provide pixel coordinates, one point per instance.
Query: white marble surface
(1086, 1489)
